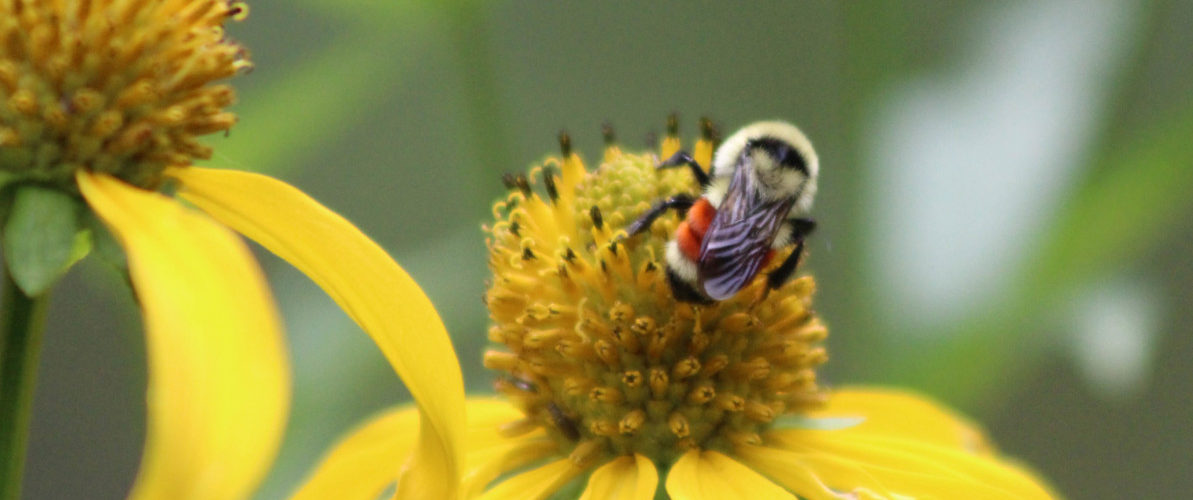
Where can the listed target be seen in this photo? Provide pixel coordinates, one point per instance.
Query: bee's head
(781, 157)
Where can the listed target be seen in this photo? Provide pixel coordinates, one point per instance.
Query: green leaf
(42, 237)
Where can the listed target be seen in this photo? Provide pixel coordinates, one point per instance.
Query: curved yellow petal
(788, 469)
(846, 460)
(711, 475)
(486, 417)
(370, 287)
(364, 462)
(219, 385)
(627, 478)
(489, 464)
(539, 482)
(901, 413)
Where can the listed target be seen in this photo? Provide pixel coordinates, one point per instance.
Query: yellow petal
(540, 482)
(486, 465)
(627, 478)
(486, 417)
(490, 451)
(219, 386)
(712, 475)
(788, 469)
(845, 460)
(901, 413)
(370, 287)
(365, 462)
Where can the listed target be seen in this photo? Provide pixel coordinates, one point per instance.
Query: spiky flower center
(115, 86)
(595, 348)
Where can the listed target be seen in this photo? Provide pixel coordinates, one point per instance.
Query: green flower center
(596, 350)
(113, 86)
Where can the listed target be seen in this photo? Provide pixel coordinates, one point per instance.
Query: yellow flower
(101, 101)
(613, 389)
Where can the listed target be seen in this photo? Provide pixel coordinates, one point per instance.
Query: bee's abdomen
(690, 232)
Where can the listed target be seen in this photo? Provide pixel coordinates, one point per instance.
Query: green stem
(21, 321)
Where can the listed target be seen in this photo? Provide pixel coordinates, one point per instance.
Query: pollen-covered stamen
(113, 86)
(671, 141)
(595, 348)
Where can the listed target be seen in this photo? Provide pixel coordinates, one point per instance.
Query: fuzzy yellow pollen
(113, 86)
(590, 341)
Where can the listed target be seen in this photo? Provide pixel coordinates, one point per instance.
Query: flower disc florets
(115, 86)
(597, 351)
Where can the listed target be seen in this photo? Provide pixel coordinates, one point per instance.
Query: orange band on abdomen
(688, 241)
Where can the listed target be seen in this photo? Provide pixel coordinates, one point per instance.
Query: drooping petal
(219, 385)
(491, 451)
(711, 475)
(370, 287)
(365, 462)
(486, 465)
(539, 482)
(846, 460)
(486, 417)
(901, 413)
(626, 478)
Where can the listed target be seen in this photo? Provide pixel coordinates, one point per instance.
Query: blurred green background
(1003, 205)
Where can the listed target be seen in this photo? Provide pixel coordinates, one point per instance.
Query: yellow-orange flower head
(121, 87)
(598, 352)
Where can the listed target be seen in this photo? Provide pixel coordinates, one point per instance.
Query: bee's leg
(677, 202)
(682, 158)
(800, 228)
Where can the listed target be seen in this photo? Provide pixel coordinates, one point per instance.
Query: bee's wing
(738, 238)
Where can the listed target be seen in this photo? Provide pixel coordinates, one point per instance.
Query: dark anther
(238, 10)
(597, 219)
(549, 184)
(565, 144)
(673, 125)
(607, 133)
(522, 184)
(569, 255)
(709, 131)
(515, 227)
(527, 254)
(509, 181)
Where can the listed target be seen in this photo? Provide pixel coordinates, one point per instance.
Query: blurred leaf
(378, 13)
(42, 237)
(318, 100)
(1140, 191)
(1144, 189)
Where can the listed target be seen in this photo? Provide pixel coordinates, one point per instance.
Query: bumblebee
(755, 200)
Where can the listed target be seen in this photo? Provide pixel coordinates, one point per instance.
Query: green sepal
(817, 424)
(106, 246)
(43, 237)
